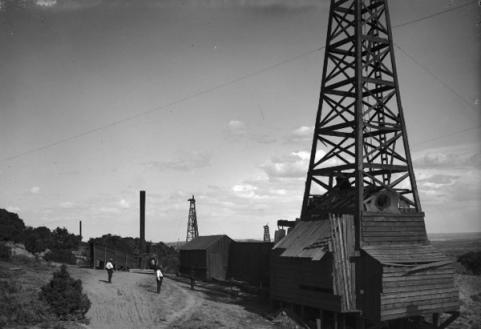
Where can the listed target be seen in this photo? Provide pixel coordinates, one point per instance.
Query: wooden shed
(207, 257)
(249, 262)
(310, 266)
(397, 273)
(400, 273)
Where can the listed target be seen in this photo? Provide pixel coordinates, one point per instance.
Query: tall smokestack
(80, 230)
(142, 222)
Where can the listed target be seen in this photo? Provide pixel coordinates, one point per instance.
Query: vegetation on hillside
(65, 297)
(471, 261)
(167, 256)
(58, 242)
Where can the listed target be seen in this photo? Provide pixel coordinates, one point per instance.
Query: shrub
(37, 239)
(471, 261)
(11, 226)
(5, 252)
(61, 256)
(65, 297)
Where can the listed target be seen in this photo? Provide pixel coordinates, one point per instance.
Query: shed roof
(203, 242)
(391, 254)
(308, 239)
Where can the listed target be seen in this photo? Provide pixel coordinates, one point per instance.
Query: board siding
(303, 282)
(388, 229)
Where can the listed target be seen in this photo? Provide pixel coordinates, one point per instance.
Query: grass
(20, 282)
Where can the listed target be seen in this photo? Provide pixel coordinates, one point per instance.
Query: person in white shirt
(110, 269)
(159, 277)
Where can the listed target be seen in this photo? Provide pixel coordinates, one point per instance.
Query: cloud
(66, 205)
(186, 161)
(303, 134)
(294, 165)
(449, 178)
(124, 204)
(109, 210)
(13, 209)
(237, 130)
(45, 3)
(245, 190)
(35, 190)
(448, 157)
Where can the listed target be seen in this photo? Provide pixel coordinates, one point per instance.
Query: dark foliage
(11, 226)
(167, 256)
(65, 297)
(127, 245)
(5, 252)
(471, 261)
(62, 239)
(61, 256)
(38, 239)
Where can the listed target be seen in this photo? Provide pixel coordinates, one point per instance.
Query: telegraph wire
(454, 133)
(439, 13)
(213, 88)
(428, 71)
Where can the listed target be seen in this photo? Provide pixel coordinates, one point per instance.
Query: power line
(439, 13)
(165, 106)
(428, 71)
(211, 89)
(454, 133)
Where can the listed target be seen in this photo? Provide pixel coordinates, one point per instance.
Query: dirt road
(131, 301)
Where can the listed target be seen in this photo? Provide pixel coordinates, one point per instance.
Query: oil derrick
(360, 143)
(192, 230)
(361, 203)
(267, 234)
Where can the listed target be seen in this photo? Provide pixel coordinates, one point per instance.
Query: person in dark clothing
(110, 269)
(159, 277)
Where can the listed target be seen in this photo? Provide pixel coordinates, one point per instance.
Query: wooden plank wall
(303, 282)
(410, 293)
(100, 254)
(342, 247)
(249, 261)
(379, 228)
(193, 260)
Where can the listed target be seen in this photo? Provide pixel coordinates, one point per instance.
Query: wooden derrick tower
(192, 230)
(362, 230)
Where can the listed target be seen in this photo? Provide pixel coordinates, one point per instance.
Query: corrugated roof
(308, 239)
(405, 253)
(202, 242)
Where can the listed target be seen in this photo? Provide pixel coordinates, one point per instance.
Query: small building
(302, 266)
(249, 262)
(206, 257)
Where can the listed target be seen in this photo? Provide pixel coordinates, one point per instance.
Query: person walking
(110, 269)
(159, 277)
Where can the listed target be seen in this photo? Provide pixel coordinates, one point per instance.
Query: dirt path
(130, 301)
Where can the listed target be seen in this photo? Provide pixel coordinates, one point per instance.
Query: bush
(471, 261)
(37, 239)
(65, 297)
(11, 226)
(5, 252)
(61, 256)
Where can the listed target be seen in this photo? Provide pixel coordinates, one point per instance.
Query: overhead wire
(208, 90)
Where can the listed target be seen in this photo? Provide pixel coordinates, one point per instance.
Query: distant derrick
(267, 234)
(192, 229)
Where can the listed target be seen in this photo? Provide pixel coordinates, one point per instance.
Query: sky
(100, 99)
